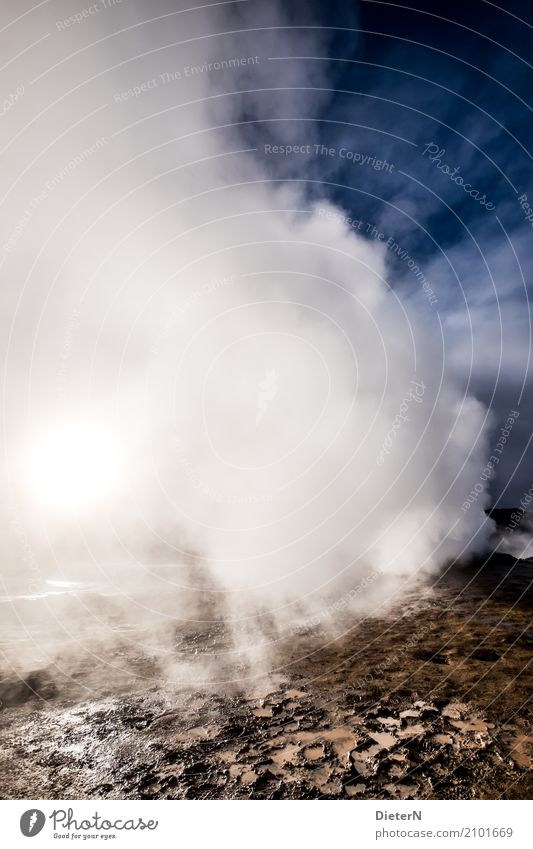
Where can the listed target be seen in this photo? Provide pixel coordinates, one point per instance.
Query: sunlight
(74, 466)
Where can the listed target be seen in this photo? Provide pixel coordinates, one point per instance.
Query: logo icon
(32, 822)
(268, 389)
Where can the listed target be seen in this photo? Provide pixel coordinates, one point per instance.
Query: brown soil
(430, 701)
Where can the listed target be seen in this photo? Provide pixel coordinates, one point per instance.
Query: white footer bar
(283, 824)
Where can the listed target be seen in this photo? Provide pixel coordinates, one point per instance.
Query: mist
(290, 432)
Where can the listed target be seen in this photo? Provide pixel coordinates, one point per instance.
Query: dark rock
(36, 685)
(487, 655)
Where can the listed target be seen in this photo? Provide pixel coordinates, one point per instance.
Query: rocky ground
(431, 700)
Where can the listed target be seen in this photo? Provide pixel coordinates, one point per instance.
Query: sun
(74, 466)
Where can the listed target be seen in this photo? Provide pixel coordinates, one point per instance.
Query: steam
(290, 427)
(516, 537)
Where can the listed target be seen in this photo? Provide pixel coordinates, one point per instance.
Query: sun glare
(74, 466)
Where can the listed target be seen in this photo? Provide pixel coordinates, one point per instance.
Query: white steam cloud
(287, 426)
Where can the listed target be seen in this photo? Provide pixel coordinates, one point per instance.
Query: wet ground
(431, 700)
